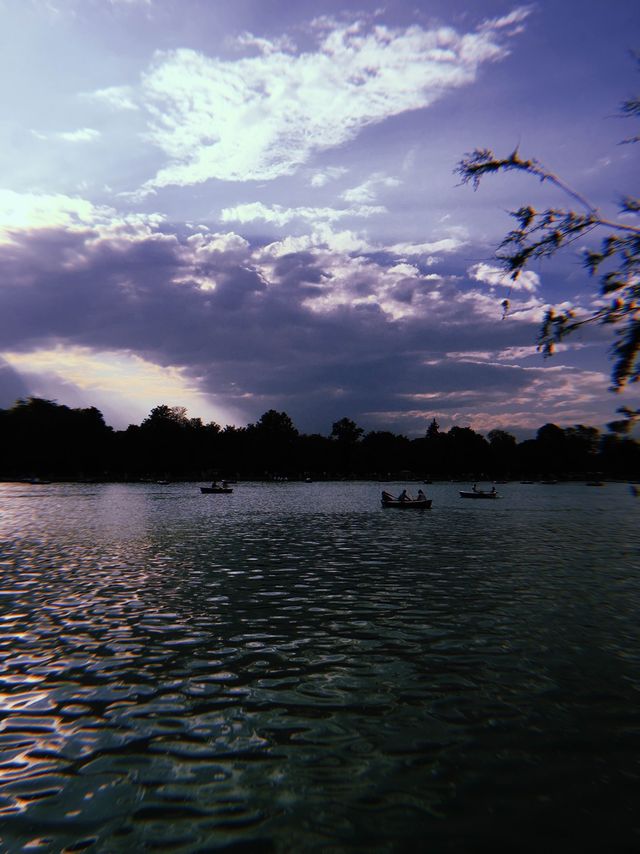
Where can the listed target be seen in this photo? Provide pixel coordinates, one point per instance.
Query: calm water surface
(291, 668)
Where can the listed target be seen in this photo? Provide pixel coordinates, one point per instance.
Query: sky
(244, 205)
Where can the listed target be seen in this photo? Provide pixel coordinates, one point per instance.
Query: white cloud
(287, 246)
(116, 97)
(264, 116)
(512, 354)
(29, 211)
(331, 173)
(323, 239)
(367, 191)
(517, 16)
(496, 277)
(32, 210)
(266, 46)
(228, 244)
(470, 355)
(280, 216)
(80, 135)
(345, 241)
(445, 244)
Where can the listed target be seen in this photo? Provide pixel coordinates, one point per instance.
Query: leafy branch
(541, 233)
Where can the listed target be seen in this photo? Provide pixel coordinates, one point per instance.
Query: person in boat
(387, 496)
(404, 496)
(225, 485)
(493, 490)
(475, 487)
(214, 485)
(421, 496)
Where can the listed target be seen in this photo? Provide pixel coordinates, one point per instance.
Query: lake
(292, 668)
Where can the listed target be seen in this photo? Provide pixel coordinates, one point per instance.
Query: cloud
(265, 115)
(316, 325)
(324, 176)
(444, 245)
(80, 135)
(528, 280)
(21, 213)
(367, 191)
(124, 386)
(116, 97)
(12, 385)
(279, 215)
(515, 17)
(539, 395)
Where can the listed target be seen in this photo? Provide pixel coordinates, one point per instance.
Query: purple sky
(238, 205)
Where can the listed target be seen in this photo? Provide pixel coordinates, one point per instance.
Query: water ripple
(299, 670)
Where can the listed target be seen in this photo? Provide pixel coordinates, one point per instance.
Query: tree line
(43, 439)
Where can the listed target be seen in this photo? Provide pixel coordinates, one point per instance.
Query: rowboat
(207, 490)
(416, 503)
(478, 493)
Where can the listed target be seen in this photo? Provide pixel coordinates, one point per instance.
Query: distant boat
(215, 489)
(415, 503)
(478, 493)
(594, 483)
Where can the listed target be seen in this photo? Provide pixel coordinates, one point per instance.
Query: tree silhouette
(163, 416)
(346, 431)
(40, 438)
(346, 434)
(502, 451)
(433, 430)
(272, 443)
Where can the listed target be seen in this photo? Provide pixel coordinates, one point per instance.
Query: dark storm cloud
(246, 329)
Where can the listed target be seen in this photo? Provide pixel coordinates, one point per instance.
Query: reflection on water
(292, 668)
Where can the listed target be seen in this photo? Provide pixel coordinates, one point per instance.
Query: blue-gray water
(292, 668)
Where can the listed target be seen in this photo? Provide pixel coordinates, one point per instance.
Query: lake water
(292, 668)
